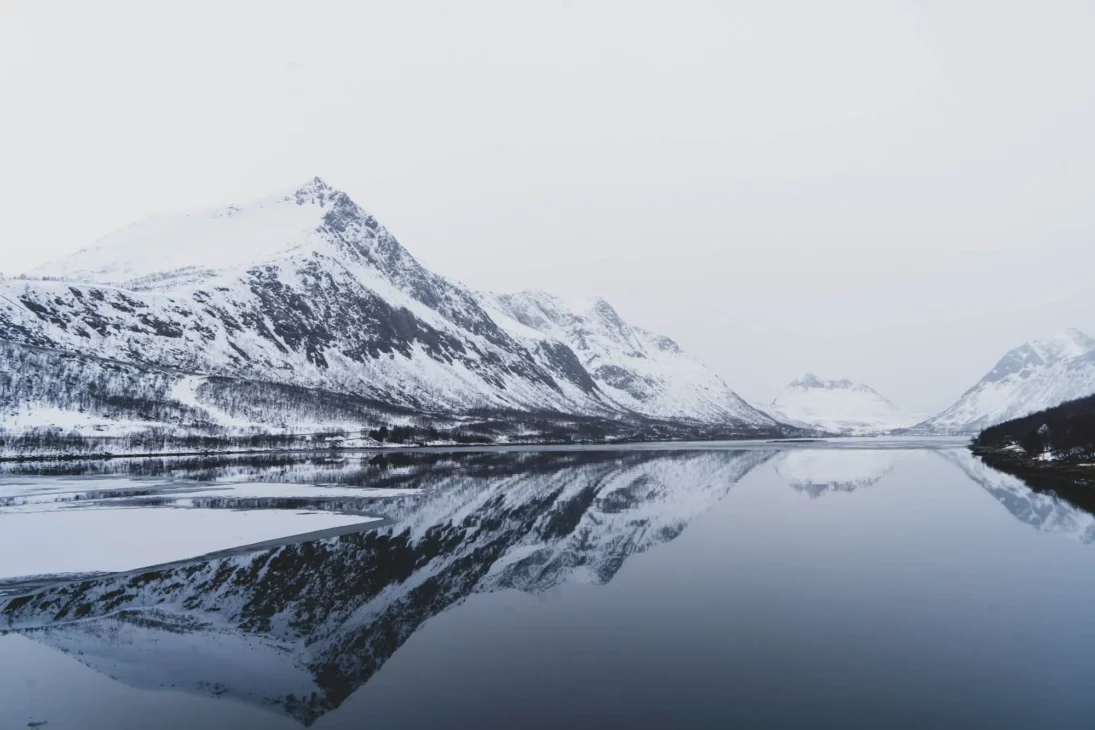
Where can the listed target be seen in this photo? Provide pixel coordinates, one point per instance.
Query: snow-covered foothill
(838, 406)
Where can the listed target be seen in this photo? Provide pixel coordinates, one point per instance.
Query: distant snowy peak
(839, 406)
(809, 380)
(1036, 375)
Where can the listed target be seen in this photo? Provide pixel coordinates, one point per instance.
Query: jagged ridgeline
(300, 313)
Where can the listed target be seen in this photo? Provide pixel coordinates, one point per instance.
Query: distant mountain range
(301, 311)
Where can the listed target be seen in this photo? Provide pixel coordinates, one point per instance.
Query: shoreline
(379, 448)
(751, 441)
(1071, 481)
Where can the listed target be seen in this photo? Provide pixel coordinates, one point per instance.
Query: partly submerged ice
(53, 525)
(106, 539)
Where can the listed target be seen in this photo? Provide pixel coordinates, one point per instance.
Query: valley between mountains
(299, 320)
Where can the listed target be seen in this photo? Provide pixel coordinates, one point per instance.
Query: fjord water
(703, 587)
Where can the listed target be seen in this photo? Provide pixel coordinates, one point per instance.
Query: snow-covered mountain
(1037, 375)
(306, 289)
(838, 406)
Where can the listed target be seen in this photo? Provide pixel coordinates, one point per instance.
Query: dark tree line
(32, 378)
(1066, 431)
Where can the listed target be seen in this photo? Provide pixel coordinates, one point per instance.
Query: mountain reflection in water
(298, 629)
(816, 471)
(302, 626)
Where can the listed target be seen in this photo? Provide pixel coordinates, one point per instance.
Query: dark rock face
(621, 379)
(565, 364)
(1020, 359)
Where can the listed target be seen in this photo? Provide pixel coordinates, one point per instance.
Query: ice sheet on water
(105, 540)
(53, 525)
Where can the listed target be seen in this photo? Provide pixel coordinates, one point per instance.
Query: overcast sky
(894, 192)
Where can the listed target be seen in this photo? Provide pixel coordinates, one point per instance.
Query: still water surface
(764, 587)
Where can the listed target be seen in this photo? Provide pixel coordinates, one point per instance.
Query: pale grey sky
(894, 192)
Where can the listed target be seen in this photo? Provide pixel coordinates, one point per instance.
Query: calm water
(705, 588)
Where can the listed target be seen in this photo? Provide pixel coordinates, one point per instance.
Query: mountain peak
(608, 313)
(316, 191)
(1072, 342)
(1042, 353)
(1068, 343)
(809, 380)
(187, 246)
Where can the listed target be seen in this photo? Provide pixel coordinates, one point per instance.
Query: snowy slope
(839, 406)
(309, 290)
(636, 369)
(191, 245)
(1037, 375)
